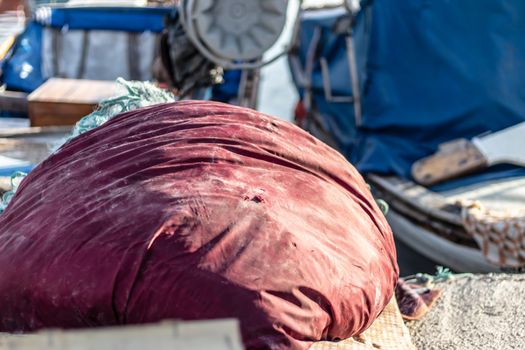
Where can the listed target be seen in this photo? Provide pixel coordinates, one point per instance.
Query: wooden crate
(65, 101)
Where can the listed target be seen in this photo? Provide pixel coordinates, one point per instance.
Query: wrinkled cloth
(415, 300)
(388, 332)
(197, 210)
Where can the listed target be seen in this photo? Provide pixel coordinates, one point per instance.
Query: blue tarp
(105, 18)
(431, 71)
(21, 70)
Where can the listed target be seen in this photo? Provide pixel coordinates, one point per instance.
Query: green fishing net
(16, 178)
(137, 94)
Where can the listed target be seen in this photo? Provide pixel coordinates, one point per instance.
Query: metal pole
(352, 66)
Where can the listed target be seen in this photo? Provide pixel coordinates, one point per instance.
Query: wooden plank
(13, 101)
(412, 211)
(418, 197)
(506, 194)
(453, 159)
(192, 335)
(66, 101)
(77, 91)
(453, 233)
(34, 152)
(35, 131)
(32, 144)
(54, 114)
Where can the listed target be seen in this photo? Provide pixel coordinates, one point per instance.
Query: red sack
(197, 210)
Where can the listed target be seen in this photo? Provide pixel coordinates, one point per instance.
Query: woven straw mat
(388, 332)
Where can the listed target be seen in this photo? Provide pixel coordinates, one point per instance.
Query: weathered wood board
(194, 335)
(65, 101)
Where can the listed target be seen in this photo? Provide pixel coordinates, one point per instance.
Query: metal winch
(234, 33)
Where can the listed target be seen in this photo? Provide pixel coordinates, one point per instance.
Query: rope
(426, 280)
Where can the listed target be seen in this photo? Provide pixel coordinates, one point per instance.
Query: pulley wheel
(239, 29)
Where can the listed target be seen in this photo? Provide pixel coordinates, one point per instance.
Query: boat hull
(458, 257)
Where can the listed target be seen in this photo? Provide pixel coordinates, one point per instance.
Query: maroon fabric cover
(197, 210)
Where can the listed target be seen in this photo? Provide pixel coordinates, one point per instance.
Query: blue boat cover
(430, 71)
(128, 19)
(21, 70)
